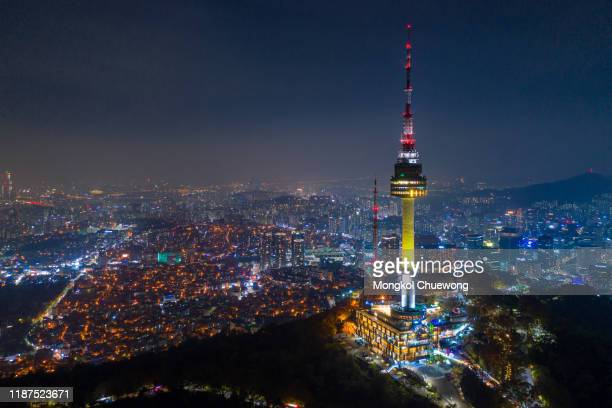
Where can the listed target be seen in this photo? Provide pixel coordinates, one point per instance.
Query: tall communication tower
(375, 223)
(408, 182)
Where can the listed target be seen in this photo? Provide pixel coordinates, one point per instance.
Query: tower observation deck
(408, 182)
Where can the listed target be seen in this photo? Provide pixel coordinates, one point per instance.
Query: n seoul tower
(408, 182)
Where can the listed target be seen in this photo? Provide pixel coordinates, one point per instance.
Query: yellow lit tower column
(408, 182)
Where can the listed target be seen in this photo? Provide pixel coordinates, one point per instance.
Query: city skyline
(212, 93)
(225, 204)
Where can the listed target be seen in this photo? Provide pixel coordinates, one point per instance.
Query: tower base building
(404, 335)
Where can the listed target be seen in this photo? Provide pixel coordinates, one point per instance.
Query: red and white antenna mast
(408, 151)
(375, 223)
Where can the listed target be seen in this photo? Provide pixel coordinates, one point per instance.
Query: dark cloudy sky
(213, 91)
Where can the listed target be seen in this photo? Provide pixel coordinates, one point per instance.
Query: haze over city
(505, 92)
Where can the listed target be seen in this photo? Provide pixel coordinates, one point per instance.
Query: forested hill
(298, 361)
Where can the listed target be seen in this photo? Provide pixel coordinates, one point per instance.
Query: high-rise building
(389, 247)
(337, 225)
(265, 250)
(297, 248)
(273, 250)
(279, 250)
(6, 186)
(509, 238)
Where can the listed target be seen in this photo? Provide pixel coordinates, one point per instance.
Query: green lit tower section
(408, 182)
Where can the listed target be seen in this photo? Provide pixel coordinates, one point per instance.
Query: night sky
(200, 92)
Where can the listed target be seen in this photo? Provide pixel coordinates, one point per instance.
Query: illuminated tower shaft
(408, 182)
(408, 297)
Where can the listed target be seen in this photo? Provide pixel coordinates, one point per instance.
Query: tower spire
(407, 141)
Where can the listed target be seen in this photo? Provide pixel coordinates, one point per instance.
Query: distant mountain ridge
(578, 189)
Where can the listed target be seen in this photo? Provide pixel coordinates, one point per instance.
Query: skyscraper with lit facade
(297, 249)
(265, 250)
(6, 186)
